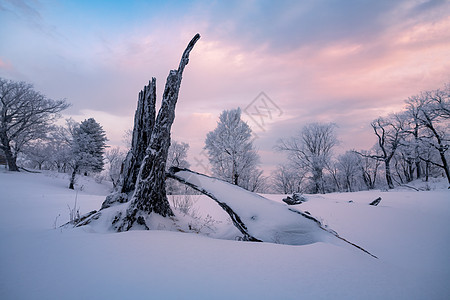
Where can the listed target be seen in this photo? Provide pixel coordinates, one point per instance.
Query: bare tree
(61, 139)
(25, 115)
(230, 150)
(114, 157)
(389, 132)
(332, 182)
(440, 99)
(287, 179)
(312, 149)
(348, 166)
(413, 138)
(253, 180)
(368, 168)
(177, 157)
(430, 111)
(127, 138)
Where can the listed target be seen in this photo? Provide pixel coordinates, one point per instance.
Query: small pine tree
(88, 147)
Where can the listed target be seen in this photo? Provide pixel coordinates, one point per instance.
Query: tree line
(28, 132)
(410, 144)
(30, 138)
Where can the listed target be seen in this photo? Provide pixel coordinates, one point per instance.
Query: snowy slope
(409, 232)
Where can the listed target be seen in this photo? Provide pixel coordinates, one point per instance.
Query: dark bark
(150, 189)
(25, 115)
(387, 164)
(441, 147)
(418, 169)
(144, 121)
(237, 220)
(234, 217)
(375, 202)
(10, 159)
(296, 198)
(387, 154)
(5, 146)
(416, 150)
(72, 178)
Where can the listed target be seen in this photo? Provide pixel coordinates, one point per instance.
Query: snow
(266, 220)
(409, 231)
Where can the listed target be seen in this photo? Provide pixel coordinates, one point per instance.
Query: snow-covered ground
(409, 232)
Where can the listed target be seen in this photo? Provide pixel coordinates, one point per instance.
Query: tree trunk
(416, 152)
(72, 178)
(441, 148)
(418, 169)
(444, 163)
(317, 181)
(10, 158)
(410, 171)
(349, 185)
(150, 193)
(144, 121)
(389, 181)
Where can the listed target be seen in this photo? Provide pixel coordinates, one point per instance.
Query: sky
(284, 63)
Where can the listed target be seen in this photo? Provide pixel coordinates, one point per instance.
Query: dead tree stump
(144, 121)
(143, 175)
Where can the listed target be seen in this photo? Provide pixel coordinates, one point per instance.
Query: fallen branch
(237, 220)
(29, 171)
(411, 187)
(234, 217)
(376, 201)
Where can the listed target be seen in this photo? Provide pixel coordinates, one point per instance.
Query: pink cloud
(349, 66)
(6, 65)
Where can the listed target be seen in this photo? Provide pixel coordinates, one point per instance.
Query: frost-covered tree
(311, 150)
(230, 149)
(389, 132)
(127, 138)
(177, 157)
(88, 147)
(430, 110)
(348, 167)
(61, 139)
(38, 153)
(369, 170)
(254, 180)
(287, 179)
(25, 116)
(114, 157)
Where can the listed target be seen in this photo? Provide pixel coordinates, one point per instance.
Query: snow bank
(409, 231)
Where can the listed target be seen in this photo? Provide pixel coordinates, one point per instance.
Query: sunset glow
(340, 62)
